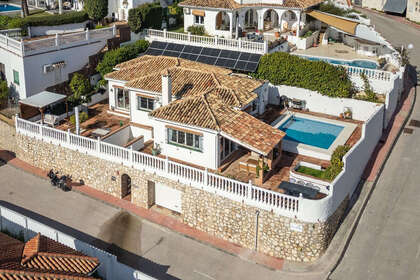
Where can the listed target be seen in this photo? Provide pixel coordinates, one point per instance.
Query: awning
(340, 23)
(395, 6)
(198, 13)
(43, 99)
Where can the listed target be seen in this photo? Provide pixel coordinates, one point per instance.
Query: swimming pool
(8, 8)
(356, 63)
(310, 132)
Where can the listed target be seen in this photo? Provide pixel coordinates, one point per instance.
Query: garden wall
(35, 31)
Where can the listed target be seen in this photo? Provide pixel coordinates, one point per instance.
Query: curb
(355, 223)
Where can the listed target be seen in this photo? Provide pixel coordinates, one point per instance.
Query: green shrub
(332, 9)
(370, 95)
(307, 34)
(96, 9)
(125, 53)
(83, 116)
(148, 15)
(4, 90)
(197, 30)
(284, 69)
(80, 87)
(336, 162)
(311, 171)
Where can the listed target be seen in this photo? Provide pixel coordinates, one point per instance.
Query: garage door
(168, 197)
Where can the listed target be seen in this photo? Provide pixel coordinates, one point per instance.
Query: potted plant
(156, 150)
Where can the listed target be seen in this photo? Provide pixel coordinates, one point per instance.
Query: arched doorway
(126, 187)
(288, 21)
(222, 21)
(271, 19)
(250, 19)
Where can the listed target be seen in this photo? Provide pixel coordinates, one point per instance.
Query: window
(198, 19)
(144, 103)
(185, 139)
(16, 77)
(254, 105)
(122, 99)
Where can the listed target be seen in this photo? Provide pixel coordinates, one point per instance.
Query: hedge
(125, 53)
(148, 15)
(50, 20)
(284, 69)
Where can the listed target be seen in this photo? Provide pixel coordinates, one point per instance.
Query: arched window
(222, 21)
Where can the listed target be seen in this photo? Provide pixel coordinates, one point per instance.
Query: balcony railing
(207, 41)
(59, 41)
(201, 179)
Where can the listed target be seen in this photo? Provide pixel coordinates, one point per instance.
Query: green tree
(96, 9)
(125, 53)
(4, 90)
(80, 87)
(135, 20)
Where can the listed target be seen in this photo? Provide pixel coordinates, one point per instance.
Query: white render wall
(362, 110)
(207, 158)
(209, 22)
(12, 62)
(58, 29)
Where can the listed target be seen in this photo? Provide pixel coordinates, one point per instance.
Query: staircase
(320, 37)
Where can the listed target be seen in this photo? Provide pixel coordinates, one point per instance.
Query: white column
(260, 17)
(60, 7)
(298, 27)
(230, 24)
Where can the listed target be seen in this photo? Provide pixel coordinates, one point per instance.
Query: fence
(247, 193)
(17, 223)
(206, 41)
(24, 48)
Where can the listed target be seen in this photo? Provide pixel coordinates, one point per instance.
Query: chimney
(166, 88)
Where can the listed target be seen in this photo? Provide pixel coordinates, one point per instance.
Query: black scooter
(63, 183)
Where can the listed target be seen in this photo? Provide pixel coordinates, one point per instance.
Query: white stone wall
(58, 29)
(413, 10)
(12, 62)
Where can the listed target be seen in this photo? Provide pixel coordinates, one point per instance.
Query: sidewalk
(320, 268)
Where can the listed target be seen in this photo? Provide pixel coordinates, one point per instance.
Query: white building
(191, 111)
(228, 18)
(30, 66)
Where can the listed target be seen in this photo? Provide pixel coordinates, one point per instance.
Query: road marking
(205, 275)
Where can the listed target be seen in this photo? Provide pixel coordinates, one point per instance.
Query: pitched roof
(42, 257)
(209, 110)
(232, 4)
(147, 65)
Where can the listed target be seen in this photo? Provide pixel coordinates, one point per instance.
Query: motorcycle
(63, 183)
(53, 177)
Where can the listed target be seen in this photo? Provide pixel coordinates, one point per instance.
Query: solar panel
(241, 61)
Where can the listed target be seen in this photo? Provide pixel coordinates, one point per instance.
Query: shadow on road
(123, 256)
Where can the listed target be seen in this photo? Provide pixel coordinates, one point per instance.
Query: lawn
(179, 28)
(311, 171)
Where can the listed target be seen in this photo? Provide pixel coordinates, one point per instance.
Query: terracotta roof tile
(232, 5)
(30, 275)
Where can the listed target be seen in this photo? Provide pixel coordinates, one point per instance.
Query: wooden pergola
(36, 104)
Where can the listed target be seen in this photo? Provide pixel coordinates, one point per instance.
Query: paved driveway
(386, 244)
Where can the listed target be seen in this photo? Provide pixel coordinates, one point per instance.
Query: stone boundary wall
(232, 221)
(7, 136)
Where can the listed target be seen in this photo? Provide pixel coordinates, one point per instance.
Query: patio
(99, 119)
(334, 50)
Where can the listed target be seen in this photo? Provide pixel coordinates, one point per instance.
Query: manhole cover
(408, 130)
(414, 123)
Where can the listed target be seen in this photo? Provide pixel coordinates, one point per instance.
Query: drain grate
(408, 130)
(414, 123)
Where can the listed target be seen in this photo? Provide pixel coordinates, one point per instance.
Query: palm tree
(25, 9)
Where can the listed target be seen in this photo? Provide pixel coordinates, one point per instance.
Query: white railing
(24, 48)
(372, 74)
(202, 179)
(207, 41)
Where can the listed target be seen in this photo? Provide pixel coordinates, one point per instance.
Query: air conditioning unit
(187, 11)
(48, 68)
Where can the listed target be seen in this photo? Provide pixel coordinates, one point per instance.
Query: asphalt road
(386, 243)
(151, 248)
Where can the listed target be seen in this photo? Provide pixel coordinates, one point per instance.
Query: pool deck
(334, 50)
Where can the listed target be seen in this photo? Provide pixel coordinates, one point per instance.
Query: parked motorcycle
(63, 183)
(53, 177)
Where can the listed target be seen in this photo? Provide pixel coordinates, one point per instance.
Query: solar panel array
(241, 61)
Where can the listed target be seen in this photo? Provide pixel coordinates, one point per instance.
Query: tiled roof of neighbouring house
(232, 5)
(43, 258)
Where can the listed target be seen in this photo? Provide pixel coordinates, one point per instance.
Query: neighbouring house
(30, 65)
(230, 18)
(413, 10)
(408, 8)
(194, 112)
(374, 4)
(43, 258)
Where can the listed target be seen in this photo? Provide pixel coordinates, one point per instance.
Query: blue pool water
(8, 8)
(310, 132)
(356, 63)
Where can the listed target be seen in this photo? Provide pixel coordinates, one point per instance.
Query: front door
(125, 185)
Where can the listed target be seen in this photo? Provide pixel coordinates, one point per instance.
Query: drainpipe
(257, 214)
(76, 118)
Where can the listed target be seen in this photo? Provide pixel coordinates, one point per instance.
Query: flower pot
(277, 34)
